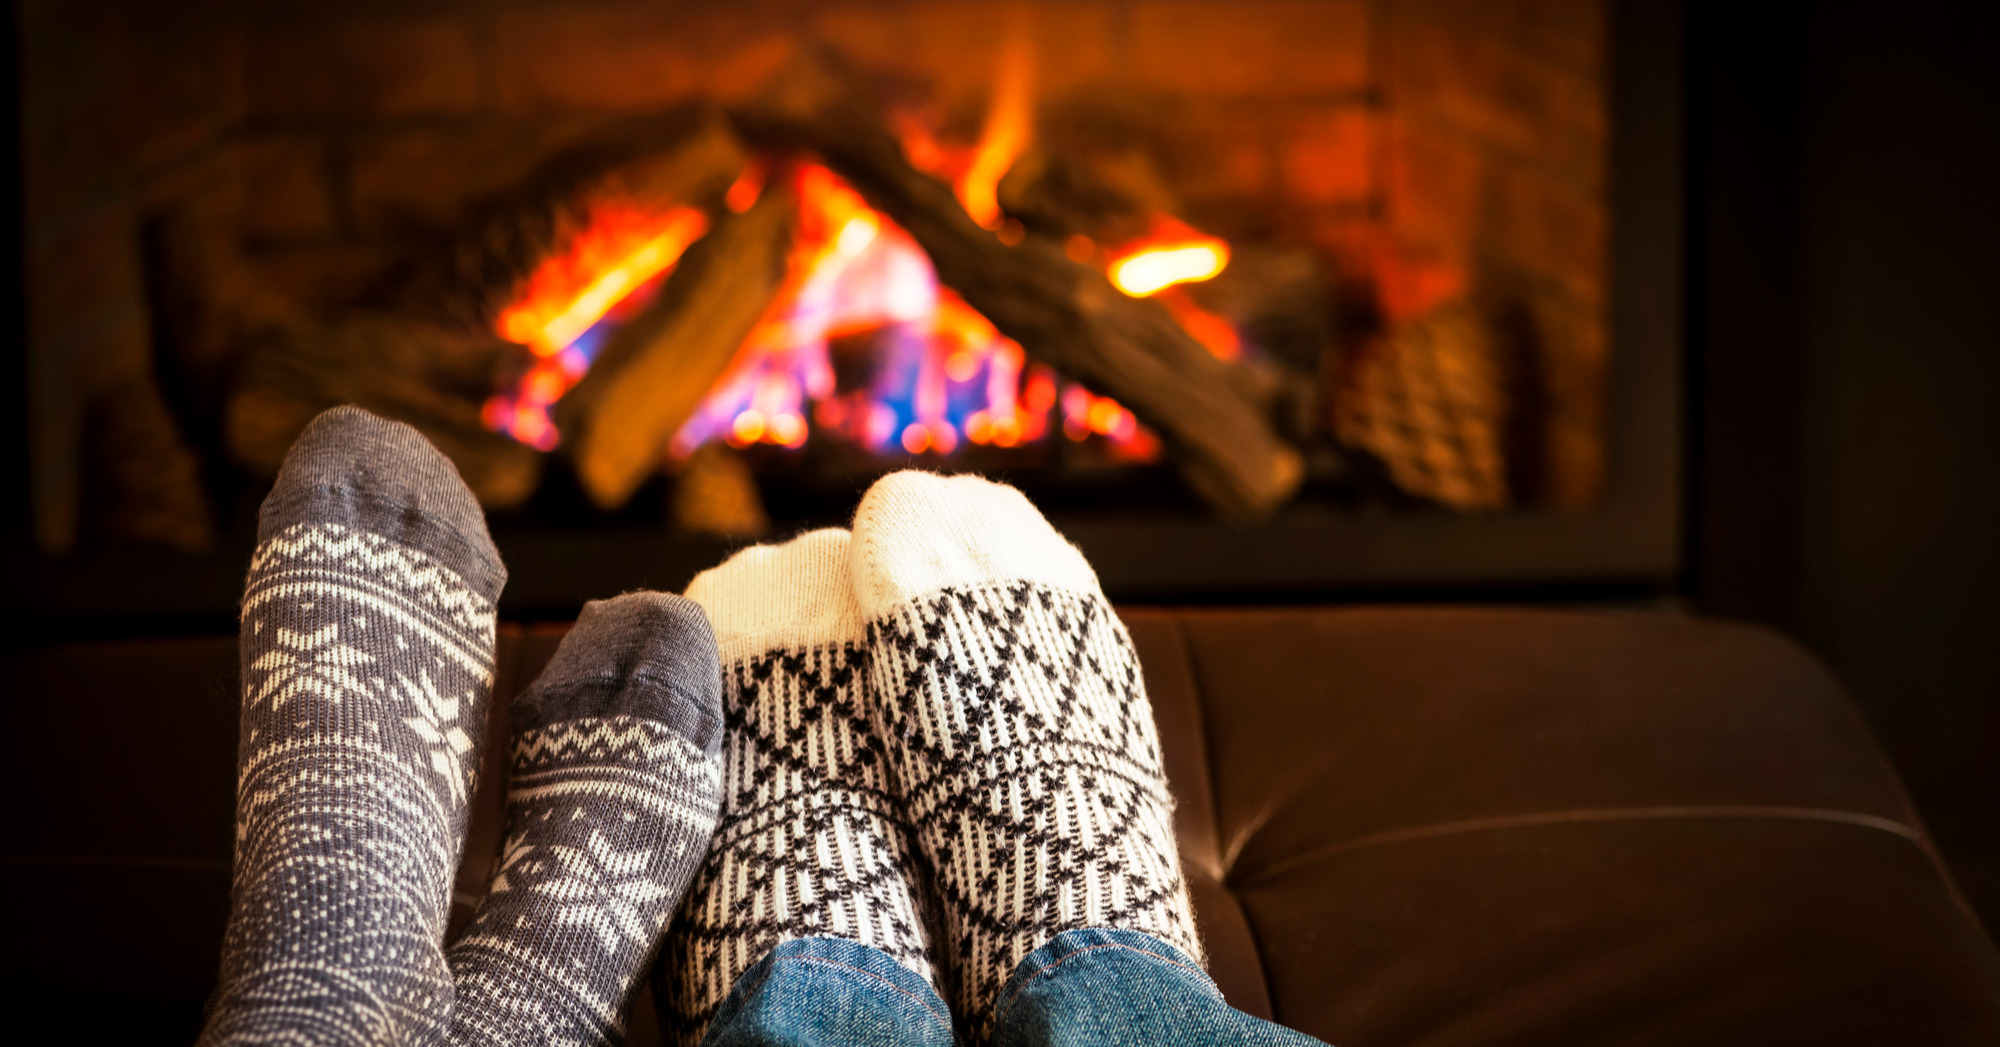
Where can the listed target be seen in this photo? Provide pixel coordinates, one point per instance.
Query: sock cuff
(918, 532)
(768, 597)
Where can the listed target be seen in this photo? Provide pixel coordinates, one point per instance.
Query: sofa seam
(1603, 815)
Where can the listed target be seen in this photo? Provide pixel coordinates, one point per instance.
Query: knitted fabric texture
(1022, 738)
(367, 662)
(613, 781)
(810, 842)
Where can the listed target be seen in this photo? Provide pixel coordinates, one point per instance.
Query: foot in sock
(612, 790)
(810, 843)
(1024, 746)
(367, 663)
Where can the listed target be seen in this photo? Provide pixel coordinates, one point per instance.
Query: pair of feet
(929, 737)
(367, 649)
(937, 743)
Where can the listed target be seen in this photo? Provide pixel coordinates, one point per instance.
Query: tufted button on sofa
(1401, 826)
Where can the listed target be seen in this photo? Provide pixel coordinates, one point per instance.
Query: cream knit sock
(1023, 742)
(811, 842)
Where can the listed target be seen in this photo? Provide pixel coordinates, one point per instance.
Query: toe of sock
(356, 469)
(642, 654)
(766, 597)
(918, 532)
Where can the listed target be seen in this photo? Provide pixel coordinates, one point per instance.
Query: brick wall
(1403, 137)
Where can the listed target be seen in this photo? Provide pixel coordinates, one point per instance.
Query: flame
(612, 257)
(943, 374)
(1009, 123)
(1174, 253)
(1215, 333)
(608, 270)
(975, 171)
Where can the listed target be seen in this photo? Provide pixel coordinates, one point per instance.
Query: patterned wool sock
(367, 650)
(1023, 741)
(810, 844)
(612, 789)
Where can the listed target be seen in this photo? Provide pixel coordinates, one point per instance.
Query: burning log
(433, 377)
(682, 157)
(251, 367)
(1062, 313)
(715, 494)
(656, 370)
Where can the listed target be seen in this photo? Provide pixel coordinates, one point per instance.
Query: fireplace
(1250, 297)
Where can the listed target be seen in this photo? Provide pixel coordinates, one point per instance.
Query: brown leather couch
(1439, 827)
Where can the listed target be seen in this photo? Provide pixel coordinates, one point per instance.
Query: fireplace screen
(718, 265)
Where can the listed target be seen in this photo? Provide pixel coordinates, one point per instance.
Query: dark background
(1843, 361)
(1844, 165)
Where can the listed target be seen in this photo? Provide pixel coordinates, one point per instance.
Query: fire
(609, 267)
(1009, 123)
(1173, 254)
(942, 374)
(616, 253)
(1215, 333)
(937, 375)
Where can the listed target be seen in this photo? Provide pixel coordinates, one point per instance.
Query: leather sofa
(1403, 826)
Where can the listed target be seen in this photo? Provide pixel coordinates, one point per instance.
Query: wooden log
(434, 377)
(715, 494)
(656, 370)
(1064, 314)
(684, 157)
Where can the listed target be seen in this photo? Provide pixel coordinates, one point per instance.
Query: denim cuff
(831, 991)
(1168, 968)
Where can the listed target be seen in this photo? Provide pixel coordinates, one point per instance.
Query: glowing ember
(1215, 333)
(749, 185)
(1173, 254)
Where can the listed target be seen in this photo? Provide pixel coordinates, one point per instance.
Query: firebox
(1251, 297)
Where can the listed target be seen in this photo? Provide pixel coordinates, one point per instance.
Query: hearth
(1251, 297)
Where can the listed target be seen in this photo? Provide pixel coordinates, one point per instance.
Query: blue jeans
(1088, 988)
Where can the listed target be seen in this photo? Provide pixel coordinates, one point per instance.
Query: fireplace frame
(1629, 544)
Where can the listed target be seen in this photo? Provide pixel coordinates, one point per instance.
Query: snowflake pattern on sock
(811, 842)
(367, 666)
(607, 819)
(1028, 759)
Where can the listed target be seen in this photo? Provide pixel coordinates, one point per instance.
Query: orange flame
(949, 376)
(1174, 253)
(1212, 331)
(747, 187)
(1009, 123)
(619, 251)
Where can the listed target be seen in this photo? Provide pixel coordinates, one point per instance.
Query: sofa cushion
(1401, 826)
(1495, 827)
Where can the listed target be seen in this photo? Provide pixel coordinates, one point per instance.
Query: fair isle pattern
(607, 819)
(366, 671)
(1030, 764)
(370, 559)
(811, 843)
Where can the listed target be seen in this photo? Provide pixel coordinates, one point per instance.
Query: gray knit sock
(613, 785)
(367, 655)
